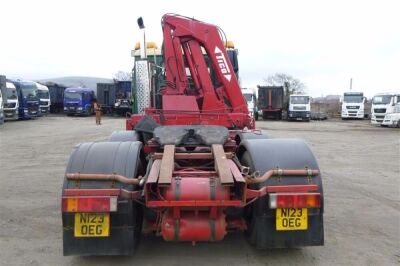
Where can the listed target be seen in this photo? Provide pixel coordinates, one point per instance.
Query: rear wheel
(242, 135)
(264, 155)
(124, 135)
(123, 158)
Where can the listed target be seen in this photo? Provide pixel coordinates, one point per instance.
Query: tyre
(124, 135)
(267, 154)
(123, 158)
(241, 136)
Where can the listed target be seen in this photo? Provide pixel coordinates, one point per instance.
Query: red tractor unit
(190, 166)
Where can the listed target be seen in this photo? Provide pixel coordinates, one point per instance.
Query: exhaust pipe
(143, 47)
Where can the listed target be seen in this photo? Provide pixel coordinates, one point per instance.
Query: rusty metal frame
(192, 155)
(103, 177)
(70, 192)
(282, 172)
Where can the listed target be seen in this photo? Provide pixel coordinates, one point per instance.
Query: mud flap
(125, 229)
(262, 233)
(123, 158)
(263, 155)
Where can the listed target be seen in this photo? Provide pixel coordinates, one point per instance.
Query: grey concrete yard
(360, 164)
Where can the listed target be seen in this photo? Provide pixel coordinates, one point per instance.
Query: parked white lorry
(1, 109)
(383, 104)
(353, 105)
(299, 107)
(251, 99)
(44, 98)
(392, 119)
(10, 101)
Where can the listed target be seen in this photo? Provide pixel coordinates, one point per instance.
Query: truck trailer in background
(299, 107)
(271, 101)
(56, 97)
(28, 100)
(2, 88)
(123, 99)
(78, 101)
(353, 105)
(44, 98)
(106, 97)
(382, 104)
(2, 84)
(115, 98)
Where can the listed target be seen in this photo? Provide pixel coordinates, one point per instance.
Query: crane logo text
(223, 65)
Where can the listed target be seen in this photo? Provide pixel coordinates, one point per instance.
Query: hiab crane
(190, 165)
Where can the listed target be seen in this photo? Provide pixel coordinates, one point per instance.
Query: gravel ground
(360, 165)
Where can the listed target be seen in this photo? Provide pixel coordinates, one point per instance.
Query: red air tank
(193, 226)
(196, 188)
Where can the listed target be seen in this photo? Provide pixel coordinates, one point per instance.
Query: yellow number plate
(92, 224)
(291, 219)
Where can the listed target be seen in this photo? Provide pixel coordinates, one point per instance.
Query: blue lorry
(78, 101)
(27, 98)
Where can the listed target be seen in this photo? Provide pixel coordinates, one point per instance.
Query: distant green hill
(88, 82)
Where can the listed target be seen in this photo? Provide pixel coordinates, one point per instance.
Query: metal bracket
(309, 174)
(177, 187)
(279, 174)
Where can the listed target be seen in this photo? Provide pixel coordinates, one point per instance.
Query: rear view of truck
(115, 97)
(106, 97)
(123, 103)
(271, 101)
(190, 165)
(56, 97)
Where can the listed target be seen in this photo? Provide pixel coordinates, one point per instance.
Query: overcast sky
(323, 43)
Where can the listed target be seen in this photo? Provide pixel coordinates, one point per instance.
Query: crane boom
(188, 46)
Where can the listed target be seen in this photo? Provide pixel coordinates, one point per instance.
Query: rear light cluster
(294, 200)
(89, 204)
